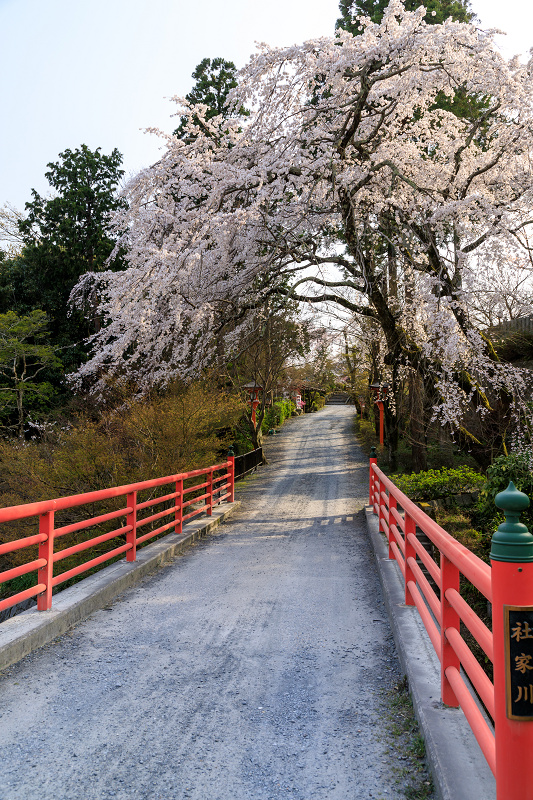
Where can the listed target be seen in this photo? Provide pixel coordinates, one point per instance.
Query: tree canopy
(437, 11)
(215, 78)
(24, 354)
(63, 237)
(348, 147)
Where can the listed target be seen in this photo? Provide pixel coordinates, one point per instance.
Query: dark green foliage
(77, 217)
(64, 237)
(277, 414)
(513, 346)
(459, 10)
(514, 467)
(437, 483)
(215, 78)
(24, 355)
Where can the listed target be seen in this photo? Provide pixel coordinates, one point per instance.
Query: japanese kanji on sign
(518, 623)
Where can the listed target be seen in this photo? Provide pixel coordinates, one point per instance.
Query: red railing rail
(432, 584)
(191, 494)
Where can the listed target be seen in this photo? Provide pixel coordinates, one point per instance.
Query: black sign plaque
(518, 621)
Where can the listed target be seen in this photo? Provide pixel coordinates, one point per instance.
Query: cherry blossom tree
(350, 184)
(497, 292)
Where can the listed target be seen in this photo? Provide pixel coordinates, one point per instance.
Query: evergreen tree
(64, 237)
(215, 78)
(25, 353)
(437, 11)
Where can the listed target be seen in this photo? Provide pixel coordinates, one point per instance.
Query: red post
(231, 478)
(46, 550)
(255, 403)
(448, 619)
(512, 629)
(373, 460)
(512, 585)
(410, 552)
(178, 528)
(381, 515)
(209, 499)
(392, 504)
(131, 536)
(381, 407)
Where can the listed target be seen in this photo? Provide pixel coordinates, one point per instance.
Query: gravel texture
(254, 667)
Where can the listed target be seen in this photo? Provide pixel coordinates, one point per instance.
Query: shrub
(514, 467)
(277, 414)
(435, 484)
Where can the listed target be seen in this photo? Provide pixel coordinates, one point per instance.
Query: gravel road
(251, 668)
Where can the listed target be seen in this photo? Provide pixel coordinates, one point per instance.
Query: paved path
(252, 668)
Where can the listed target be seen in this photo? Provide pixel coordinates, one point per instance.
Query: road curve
(252, 668)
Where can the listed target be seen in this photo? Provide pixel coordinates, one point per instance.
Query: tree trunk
(20, 392)
(417, 427)
(256, 435)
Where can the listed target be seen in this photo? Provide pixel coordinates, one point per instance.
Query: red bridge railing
(190, 494)
(505, 732)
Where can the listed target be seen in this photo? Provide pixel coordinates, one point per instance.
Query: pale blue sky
(98, 71)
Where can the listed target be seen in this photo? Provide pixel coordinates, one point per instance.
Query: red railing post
(381, 518)
(449, 618)
(131, 519)
(391, 520)
(179, 507)
(512, 628)
(231, 474)
(410, 552)
(46, 550)
(373, 460)
(209, 498)
(381, 406)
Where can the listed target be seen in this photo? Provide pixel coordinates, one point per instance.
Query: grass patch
(407, 744)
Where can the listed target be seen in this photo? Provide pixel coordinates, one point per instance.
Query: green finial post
(373, 453)
(231, 452)
(512, 541)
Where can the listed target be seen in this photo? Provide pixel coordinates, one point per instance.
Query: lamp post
(380, 390)
(253, 388)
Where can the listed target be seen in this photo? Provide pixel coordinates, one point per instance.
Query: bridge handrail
(11, 513)
(472, 567)
(505, 732)
(218, 485)
(442, 608)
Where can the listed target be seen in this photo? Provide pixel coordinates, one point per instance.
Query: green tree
(24, 354)
(215, 78)
(66, 236)
(437, 11)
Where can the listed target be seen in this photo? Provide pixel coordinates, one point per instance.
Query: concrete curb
(32, 629)
(457, 764)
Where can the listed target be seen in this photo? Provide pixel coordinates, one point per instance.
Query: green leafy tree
(437, 11)
(24, 354)
(215, 78)
(66, 236)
